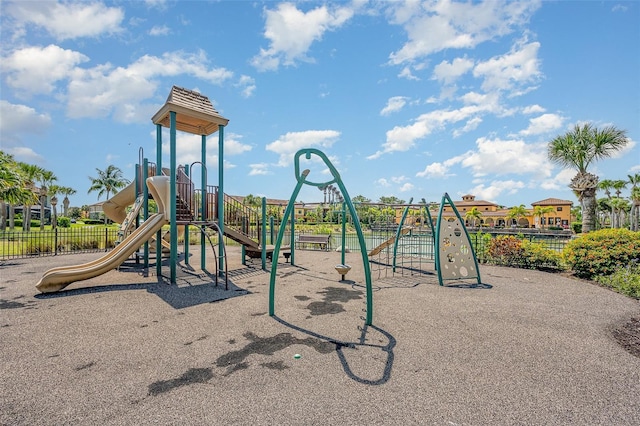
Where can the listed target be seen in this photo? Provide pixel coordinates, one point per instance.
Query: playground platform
(525, 347)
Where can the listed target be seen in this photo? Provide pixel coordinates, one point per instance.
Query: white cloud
(394, 104)
(288, 144)
(37, 69)
(233, 146)
(500, 157)
(514, 71)
(291, 32)
(557, 182)
(626, 150)
(497, 187)
(434, 170)
(18, 120)
(383, 182)
(543, 124)
(403, 138)
(468, 127)
(25, 154)
(259, 169)
(435, 26)
(159, 30)
(533, 109)
(189, 149)
(406, 73)
(448, 72)
(247, 85)
(406, 187)
(67, 20)
(398, 179)
(105, 90)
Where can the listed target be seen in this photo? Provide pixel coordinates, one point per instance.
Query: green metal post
(344, 231)
(203, 201)
(293, 236)
(173, 226)
(399, 234)
(276, 250)
(221, 195)
(271, 224)
(158, 173)
(145, 208)
(263, 234)
(186, 227)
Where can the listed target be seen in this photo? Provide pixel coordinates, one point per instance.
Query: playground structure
(181, 205)
(412, 249)
(342, 268)
(207, 207)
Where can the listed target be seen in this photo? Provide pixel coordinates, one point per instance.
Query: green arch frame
(301, 177)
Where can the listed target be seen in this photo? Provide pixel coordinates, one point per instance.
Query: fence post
(55, 242)
(106, 238)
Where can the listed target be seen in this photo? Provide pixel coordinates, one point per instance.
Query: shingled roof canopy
(194, 112)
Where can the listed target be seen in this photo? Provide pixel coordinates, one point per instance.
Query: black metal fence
(537, 251)
(19, 244)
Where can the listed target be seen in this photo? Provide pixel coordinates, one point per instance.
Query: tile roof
(194, 112)
(552, 202)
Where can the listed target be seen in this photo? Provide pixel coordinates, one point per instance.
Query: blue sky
(409, 99)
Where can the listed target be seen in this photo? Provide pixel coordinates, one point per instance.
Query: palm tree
(108, 181)
(13, 189)
(46, 178)
(53, 192)
(580, 147)
(635, 209)
(66, 191)
(31, 174)
(618, 186)
(517, 212)
(474, 214)
(606, 185)
(634, 180)
(541, 212)
(620, 207)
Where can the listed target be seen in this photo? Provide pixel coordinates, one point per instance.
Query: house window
(559, 209)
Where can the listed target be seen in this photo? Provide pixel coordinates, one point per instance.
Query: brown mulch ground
(628, 336)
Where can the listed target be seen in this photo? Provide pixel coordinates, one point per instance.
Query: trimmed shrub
(505, 249)
(602, 252)
(538, 256)
(624, 280)
(64, 222)
(576, 227)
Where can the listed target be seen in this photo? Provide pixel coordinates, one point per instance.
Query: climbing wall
(455, 257)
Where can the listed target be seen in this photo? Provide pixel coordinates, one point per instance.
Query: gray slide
(56, 279)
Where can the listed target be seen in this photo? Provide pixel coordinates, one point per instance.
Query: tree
(474, 214)
(517, 212)
(618, 186)
(108, 181)
(46, 178)
(541, 212)
(577, 149)
(66, 191)
(634, 180)
(390, 200)
(53, 192)
(13, 189)
(31, 174)
(606, 185)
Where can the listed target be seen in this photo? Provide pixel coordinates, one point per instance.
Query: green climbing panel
(455, 256)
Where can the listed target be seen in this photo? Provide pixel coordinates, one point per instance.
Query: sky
(410, 99)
